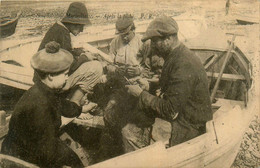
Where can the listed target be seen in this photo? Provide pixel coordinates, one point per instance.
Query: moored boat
(8, 25)
(232, 104)
(244, 20)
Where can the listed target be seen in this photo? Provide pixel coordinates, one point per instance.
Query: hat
(77, 14)
(124, 24)
(160, 27)
(52, 58)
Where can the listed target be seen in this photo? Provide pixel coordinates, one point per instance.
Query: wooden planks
(228, 77)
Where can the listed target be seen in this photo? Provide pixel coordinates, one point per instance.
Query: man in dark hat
(184, 100)
(84, 73)
(33, 133)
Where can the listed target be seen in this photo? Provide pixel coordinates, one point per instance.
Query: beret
(52, 58)
(124, 24)
(160, 27)
(77, 14)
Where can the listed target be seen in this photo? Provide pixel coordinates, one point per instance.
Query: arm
(112, 50)
(69, 109)
(43, 133)
(174, 98)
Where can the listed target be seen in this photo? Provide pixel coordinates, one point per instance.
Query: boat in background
(245, 20)
(8, 25)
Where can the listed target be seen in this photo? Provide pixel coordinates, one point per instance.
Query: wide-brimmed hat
(52, 58)
(160, 27)
(124, 24)
(77, 14)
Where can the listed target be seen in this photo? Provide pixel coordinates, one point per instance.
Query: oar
(103, 55)
(223, 68)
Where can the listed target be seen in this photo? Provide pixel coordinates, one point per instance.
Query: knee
(96, 67)
(91, 67)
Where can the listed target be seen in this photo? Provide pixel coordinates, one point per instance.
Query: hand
(134, 90)
(85, 116)
(133, 71)
(111, 69)
(88, 107)
(143, 83)
(89, 56)
(78, 51)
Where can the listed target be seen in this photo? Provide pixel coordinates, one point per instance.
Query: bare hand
(88, 107)
(143, 83)
(89, 56)
(85, 116)
(134, 90)
(133, 71)
(111, 69)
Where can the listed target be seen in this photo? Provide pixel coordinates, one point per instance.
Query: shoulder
(187, 63)
(57, 30)
(116, 43)
(188, 57)
(115, 40)
(138, 39)
(32, 98)
(58, 26)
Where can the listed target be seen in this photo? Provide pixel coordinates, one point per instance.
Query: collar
(132, 42)
(173, 54)
(60, 23)
(44, 88)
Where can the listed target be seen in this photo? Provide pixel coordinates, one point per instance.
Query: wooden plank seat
(227, 77)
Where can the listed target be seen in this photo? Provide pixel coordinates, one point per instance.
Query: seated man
(184, 100)
(84, 74)
(129, 54)
(33, 133)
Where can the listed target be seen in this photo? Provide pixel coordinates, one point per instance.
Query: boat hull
(8, 29)
(216, 148)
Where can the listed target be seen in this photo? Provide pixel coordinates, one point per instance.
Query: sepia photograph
(129, 84)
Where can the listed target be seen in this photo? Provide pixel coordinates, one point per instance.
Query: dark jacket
(34, 126)
(59, 33)
(185, 100)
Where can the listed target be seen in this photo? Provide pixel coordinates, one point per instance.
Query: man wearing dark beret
(33, 133)
(84, 73)
(184, 100)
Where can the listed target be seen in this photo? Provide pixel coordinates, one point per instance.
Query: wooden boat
(8, 25)
(225, 64)
(244, 20)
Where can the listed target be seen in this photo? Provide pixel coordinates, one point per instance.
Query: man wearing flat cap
(34, 127)
(184, 100)
(128, 52)
(84, 73)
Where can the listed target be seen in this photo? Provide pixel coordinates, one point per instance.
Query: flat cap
(160, 27)
(124, 24)
(77, 14)
(52, 58)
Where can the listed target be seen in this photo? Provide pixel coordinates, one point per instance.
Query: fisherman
(184, 100)
(84, 73)
(129, 54)
(33, 133)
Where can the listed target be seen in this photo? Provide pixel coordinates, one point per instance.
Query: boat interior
(228, 71)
